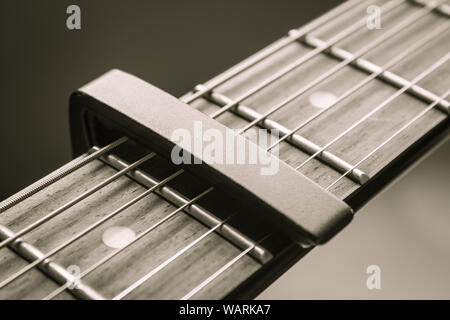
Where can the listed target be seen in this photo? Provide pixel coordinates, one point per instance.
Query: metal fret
(388, 76)
(55, 271)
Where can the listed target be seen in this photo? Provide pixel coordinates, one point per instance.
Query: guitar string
(140, 236)
(216, 274)
(346, 8)
(311, 54)
(225, 267)
(161, 266)
(29, 266)
(59, 174)
(422, 75)
(403, 128)
(424, 41)
(69, 204)
(394, 31)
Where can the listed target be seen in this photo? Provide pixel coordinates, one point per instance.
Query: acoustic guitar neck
(345, 103)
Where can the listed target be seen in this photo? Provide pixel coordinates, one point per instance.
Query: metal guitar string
(225, 267)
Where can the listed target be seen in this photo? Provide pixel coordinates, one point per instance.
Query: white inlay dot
(118, 237)
(322, 99)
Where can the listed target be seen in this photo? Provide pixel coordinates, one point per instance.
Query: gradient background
(175, 45)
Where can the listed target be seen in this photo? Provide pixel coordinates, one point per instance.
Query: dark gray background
(171, 44)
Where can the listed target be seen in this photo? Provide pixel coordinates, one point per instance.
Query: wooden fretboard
(354, 107)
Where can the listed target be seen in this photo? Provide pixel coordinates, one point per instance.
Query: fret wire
(392, 32)
(397, 59)
(403, 128)
(53, 270)
(340, 36)
(389, 77)
(139, 282)
(88, 229)
(59, 175)
(222, 269)
(379, 107)
(296, 34)
(138, 237)
(76, 200)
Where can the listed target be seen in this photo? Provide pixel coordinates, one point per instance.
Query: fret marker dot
(118, 237)
(322, 99)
